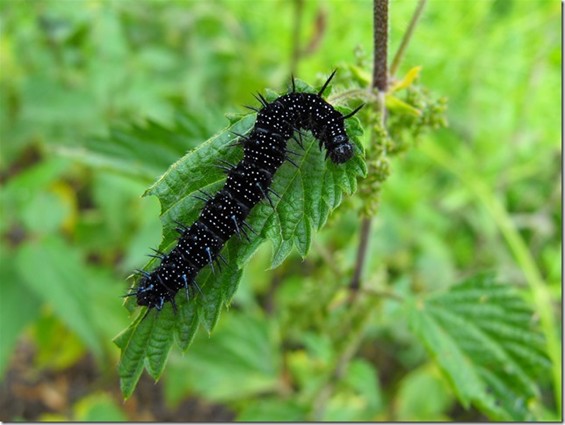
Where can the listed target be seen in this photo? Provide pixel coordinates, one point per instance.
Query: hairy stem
(380, 80)
(407, 37)
(380, 44)
(361, 253)
(363, 307)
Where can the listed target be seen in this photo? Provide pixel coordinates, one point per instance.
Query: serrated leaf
(301, 208)
(304, 236)
(159, 345)
(185, 326)
(144, 150)
(232, 277)
(481, 335)
(210, 305)
(283, 249)
(133, 344)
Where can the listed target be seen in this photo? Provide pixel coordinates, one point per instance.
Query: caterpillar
(247, 183)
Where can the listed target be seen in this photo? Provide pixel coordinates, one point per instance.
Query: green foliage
(413, 407)
(253, 368)
(98, 408)
(15, 314)
(308, 193)
(483, 193)
(482, 337)
(60, 273)
(144, 150)
(409, 115)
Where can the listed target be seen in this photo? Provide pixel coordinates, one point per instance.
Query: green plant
(299, 341)
(308, 193)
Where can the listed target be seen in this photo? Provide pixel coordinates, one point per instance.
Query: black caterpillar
(247, 184)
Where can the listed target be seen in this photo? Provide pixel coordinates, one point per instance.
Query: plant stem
(361, 253)
(406, 37)
(363, 306)
(382, 294)
(380, 44)
(380, 82)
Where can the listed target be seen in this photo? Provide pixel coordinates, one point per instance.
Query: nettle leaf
(482, 336)
(143, 149)
(308, 193)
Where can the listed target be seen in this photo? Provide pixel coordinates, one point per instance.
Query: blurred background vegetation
(482, 194)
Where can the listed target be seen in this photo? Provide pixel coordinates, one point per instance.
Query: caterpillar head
(341, 149)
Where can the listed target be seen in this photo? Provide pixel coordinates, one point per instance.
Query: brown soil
(27, 393)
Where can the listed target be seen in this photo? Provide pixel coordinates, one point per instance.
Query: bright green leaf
(482, 337)
(98, 408)
(240, 360)
(307, 195)
(273, 410)
(18, 307)
(133, 343)
(422, 396)
(54, 272)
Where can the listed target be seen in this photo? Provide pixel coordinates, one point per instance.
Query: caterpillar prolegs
(248, 182)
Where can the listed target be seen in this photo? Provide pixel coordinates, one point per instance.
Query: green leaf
(159, 345)
(185, 327)
(241, 360)
(54, 273)
(145, 149)
(358, 396)
(307, 196)
(272, 410)
(133, 343)
(98, 407)
(18, 307)
(482, 337)
(423, 396)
